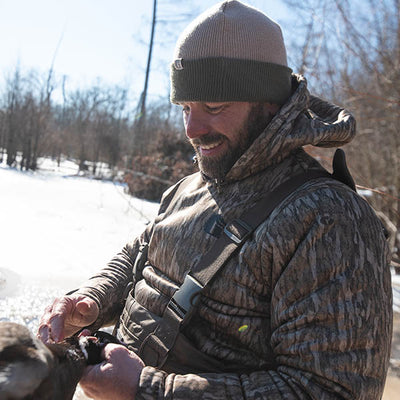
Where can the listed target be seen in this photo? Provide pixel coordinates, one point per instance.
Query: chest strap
(154, 349)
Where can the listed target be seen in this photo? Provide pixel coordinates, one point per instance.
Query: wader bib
(158, 339)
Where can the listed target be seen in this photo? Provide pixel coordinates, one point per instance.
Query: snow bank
(56, 230)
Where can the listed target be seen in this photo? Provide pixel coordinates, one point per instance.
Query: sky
(92, 40)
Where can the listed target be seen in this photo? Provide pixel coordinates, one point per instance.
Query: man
(303, 309)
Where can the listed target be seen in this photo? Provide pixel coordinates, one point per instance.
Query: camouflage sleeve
(330, 310)
(108, 287)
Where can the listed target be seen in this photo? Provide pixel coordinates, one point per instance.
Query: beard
(218, 167)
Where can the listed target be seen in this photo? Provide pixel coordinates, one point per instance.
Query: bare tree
(12, 111)
(170, 16)
(358, 65)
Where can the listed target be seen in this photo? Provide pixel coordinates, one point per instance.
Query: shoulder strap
(340, 170)
(155, 348)
(238, 230)
(235, 234)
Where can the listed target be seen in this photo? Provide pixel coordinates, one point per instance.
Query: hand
(66, 316)
(117, 377)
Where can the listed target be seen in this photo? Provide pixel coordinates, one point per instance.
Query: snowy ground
(396, 292)
(56, 230)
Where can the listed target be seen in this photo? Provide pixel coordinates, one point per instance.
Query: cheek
(231, 123)
(233, 131)
(226, 125)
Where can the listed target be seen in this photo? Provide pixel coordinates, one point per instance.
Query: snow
(365, 192)
(56, 230)
(396, 292)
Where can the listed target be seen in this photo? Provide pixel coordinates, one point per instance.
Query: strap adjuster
(238, 231)
(186, 296)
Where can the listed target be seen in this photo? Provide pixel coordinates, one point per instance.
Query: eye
(185, 109)
(214, 108)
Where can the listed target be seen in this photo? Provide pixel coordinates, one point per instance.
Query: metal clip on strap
(186, 296)
(238, 231)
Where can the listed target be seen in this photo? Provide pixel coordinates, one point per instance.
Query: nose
(196, 124)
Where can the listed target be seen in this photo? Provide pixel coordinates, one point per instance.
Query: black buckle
(238, 231)
(186, 296)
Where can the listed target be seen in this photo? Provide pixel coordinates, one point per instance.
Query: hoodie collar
(302, 120)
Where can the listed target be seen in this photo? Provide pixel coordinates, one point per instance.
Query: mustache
(207, 139)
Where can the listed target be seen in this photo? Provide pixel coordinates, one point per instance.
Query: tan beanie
(231, 52)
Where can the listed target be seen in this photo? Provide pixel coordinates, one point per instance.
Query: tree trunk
(139, 128)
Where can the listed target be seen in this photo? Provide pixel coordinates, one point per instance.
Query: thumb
(88, 309)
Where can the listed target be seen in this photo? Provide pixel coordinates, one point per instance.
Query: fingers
(113, 350)
(89, 373)
(66, 316)
(57, 320)
(84, 332)
(44, 329)
(117, 377)
(89, 380)
(116, 353)
(86, 311)
(52, 322)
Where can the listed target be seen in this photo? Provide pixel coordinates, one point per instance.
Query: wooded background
(348, 50)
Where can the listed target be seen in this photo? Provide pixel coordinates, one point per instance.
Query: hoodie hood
(303, 120)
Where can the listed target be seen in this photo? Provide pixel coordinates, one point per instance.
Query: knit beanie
(231, 52)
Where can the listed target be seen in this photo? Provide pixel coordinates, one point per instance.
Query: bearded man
(293, 303)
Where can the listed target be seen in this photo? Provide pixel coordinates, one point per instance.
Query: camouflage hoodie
(304, 307)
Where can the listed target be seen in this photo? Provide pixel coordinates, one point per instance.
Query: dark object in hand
(95, 344)
(32, 370)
